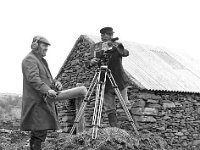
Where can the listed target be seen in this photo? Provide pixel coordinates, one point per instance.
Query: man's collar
(36, 54)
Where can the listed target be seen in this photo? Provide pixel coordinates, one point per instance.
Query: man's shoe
(112, 118)
(35, 144)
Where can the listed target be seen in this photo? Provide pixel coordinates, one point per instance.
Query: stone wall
(172, 115)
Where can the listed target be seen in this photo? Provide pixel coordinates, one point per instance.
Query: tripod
(99, 80)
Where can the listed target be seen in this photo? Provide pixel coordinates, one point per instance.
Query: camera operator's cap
(106, 30)
(41, 39)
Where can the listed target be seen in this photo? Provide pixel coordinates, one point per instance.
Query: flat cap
(106, 30)
(41, 39)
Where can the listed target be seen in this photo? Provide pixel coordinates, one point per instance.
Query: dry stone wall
(172, 115)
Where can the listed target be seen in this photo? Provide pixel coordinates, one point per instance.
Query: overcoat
(37, 114)
(115, 65)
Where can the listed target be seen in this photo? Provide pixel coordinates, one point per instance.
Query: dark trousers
(36, 139)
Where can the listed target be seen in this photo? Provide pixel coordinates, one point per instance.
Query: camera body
(106, 50)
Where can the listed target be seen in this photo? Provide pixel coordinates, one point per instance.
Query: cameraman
(115, 65)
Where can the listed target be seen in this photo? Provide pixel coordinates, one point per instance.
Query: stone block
(196, 142)
(179, 134)
(168, 105)
(146, 119)
(139, 103)
(152, 101)
(137, 111)
(157, 106)
(150, 111)
(147, 96)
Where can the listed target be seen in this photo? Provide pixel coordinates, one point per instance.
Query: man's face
(106, 36)
(42, 49)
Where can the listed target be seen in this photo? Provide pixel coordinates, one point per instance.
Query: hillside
(108, 138)
(10, 106)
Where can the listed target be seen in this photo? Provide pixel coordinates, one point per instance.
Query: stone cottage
(164, 91)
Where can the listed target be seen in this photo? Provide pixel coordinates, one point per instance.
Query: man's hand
(52, 94)
(94, 61)
(110, 43)
(58, 85)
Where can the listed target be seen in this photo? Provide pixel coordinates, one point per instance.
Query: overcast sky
(169, 23)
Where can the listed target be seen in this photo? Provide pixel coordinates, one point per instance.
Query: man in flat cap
(115, 65)
(38, 115)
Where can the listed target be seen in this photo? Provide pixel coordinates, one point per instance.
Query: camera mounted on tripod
(106, 51)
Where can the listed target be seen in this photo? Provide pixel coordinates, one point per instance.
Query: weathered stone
(184, 138)
(147, 96)
(168, 105)
(179, 134)
(152, 101)
(65, 118)
(161, 128)
(86, 54)
(198, 104)
(137, 111)
(177, 104)
(140, 103)
(150, 111)
(196, 142)
(169, 135)
(198, 110)
(178, 115)
(166, 117)
(166, 100)
(147, 119)
(157, 106)
(185, 143)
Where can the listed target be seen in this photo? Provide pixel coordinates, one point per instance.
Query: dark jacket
(36, 113)
(115, 64)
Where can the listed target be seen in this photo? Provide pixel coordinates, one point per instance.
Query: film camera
(107, 49)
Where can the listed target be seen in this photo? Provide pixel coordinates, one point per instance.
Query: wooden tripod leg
(100, 106)
(84, 103)
(94, 117)
(117, 92)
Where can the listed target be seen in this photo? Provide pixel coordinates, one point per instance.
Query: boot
(31, 144)
(35, 144)
(112, 118)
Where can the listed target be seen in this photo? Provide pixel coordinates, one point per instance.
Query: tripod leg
(85, 101)
(94, 135)
(94, 118)
(116, 89)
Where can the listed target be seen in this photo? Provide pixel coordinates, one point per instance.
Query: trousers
(36, 138)
(109, 99)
